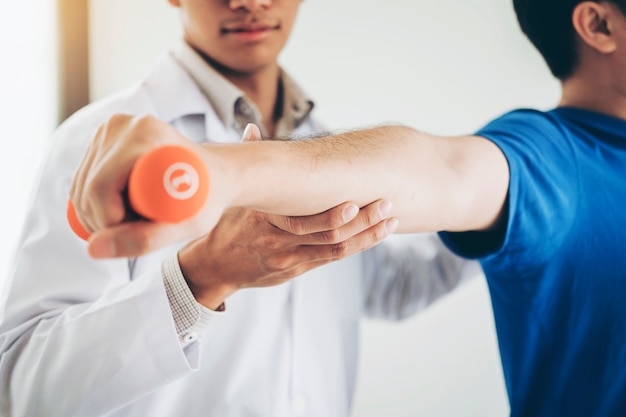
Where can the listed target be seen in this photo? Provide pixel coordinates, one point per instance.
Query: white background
(28, 108)
(444, 66)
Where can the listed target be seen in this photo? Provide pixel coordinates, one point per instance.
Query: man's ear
(175, 3)
(594, 24)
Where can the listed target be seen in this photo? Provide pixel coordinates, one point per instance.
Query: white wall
(126, 38)
(445, 67)
(28, 108)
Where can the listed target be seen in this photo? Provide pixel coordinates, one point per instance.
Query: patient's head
(548, 24)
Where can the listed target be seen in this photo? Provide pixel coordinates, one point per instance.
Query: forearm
(396, 163)
(434, 183)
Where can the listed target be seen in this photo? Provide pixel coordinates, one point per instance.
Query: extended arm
(434, 183)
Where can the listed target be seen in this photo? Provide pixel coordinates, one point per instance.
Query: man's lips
(250, 28)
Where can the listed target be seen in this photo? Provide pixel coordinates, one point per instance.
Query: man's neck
(261, 87)
(595, 92)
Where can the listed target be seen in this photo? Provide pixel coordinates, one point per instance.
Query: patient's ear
(596, 24)
(175, 3)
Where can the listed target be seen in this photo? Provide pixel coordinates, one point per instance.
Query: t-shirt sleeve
(542, 185)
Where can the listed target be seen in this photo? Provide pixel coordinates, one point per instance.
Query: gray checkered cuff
(190, 317)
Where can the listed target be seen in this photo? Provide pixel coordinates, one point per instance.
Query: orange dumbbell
(168, 184)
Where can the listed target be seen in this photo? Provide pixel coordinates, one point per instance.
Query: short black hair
(548, 25)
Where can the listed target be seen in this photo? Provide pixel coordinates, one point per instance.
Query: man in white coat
(184, 331)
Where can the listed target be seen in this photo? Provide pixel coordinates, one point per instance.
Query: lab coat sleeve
(407, 273)
(78, 336)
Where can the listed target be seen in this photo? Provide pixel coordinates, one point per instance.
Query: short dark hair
(548, 25)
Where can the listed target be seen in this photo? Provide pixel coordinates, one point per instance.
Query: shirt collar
(297, 106)
(231, 105)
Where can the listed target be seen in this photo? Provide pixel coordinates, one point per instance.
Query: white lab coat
(83, 337)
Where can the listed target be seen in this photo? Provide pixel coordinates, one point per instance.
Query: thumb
(132, 239)
(251, 133)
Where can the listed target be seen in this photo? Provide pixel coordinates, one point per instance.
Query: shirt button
(189, 337)
(299, 404)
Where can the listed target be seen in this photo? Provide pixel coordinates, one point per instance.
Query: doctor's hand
(252, 249)
(99, 188)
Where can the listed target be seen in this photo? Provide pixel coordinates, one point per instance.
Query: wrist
(225, 171)
(207, 289)
(211, 296)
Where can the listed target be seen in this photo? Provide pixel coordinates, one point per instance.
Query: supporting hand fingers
(329, 228)
(357, 243)
(322, 222)
(251, 133)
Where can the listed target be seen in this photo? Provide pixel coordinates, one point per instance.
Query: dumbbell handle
(169, 184)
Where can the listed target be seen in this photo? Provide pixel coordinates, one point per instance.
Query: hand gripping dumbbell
(169, 184)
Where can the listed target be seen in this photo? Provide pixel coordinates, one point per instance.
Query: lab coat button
(299, 404)
(189, 337)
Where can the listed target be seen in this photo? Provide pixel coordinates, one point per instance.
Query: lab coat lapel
(176, 96)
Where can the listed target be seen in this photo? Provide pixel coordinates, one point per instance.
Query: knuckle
(278, 262)
(323, 237)
(294, 225)
(328, 223)
(374, 236)
(94, 188)
(144, 121)
(339, 250)
(332, 236)
(116, 119)
(371, 217)
(378, 234)
(142, 124)
(271, 243)
(333, 219)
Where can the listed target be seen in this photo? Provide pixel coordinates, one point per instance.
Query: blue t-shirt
(557, 277)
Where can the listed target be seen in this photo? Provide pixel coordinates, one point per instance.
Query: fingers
(282, 265)
(335, 225)
(97, 186)
(98, 190)
(368, 217)
(132, 239)
(355, 244)
(78, 184)
(328, 220)
(251, 133)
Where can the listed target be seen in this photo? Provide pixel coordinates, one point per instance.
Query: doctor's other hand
(248, 248)
(99, 188)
